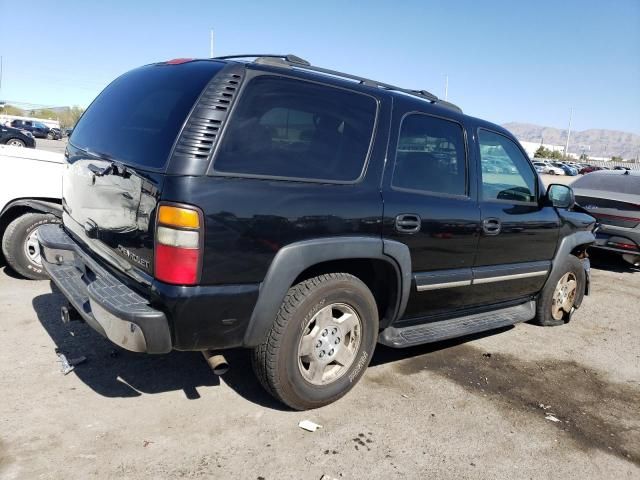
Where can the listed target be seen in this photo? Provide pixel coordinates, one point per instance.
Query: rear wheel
(563, 291)
(20, 244)
(16, 142)
(320, 343)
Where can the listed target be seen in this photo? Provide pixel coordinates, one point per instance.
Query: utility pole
(566, 147)
(211, 44)
(0, 77)
(446, 87)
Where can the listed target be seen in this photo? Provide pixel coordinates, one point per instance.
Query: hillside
(602, 142)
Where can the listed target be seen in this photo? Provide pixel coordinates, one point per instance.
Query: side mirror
(561, 196)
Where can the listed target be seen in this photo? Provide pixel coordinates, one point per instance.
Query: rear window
(296, 129)
(610, 182)
(136, 119)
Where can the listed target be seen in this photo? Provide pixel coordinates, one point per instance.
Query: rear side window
(294, 129)
(610, 182)
(506, 174)
(430, 156)
(137, 118)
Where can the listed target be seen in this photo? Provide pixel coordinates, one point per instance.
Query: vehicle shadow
(384, 354)
(117, 373)
(610, 261)
(114, 372)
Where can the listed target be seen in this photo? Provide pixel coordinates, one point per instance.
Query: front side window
(506, 174)
(430, 156)
(295, 129)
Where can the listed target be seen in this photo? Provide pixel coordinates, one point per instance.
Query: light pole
(566, 147)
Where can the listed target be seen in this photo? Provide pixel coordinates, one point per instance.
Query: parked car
(613, 198)
(540, 167)
(618, 167)
(68, 132)
(246, 210)
(16, 138)
(30, 192)
(589, 169)
(554, 170)
(566, 169)
(37, 129)
(54, 134)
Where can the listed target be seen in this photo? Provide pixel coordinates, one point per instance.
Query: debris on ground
(552, 418)
(309, 426)
(327, 477)
(486, 355)
(543, 406)
(67, 366)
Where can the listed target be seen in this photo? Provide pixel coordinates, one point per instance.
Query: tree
(11, 110)
(542, 152)
(70, 117)
(584, 157)
(616, 159)
(44, 113)
(556, 155)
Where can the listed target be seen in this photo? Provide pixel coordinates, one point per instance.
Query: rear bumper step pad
(104, 302)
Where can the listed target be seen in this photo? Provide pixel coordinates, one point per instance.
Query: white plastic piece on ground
(552, 418)
(327, 477)
(309, 426)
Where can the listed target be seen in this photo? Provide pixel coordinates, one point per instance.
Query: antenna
(446, 87)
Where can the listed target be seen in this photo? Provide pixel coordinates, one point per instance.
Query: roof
(296, 63)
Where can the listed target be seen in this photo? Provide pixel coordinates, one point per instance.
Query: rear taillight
(178, 252)
(623, 246)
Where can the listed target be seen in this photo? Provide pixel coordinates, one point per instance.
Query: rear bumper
(610, 237)
(108, 305)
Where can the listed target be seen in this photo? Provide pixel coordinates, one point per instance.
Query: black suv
(305, 214)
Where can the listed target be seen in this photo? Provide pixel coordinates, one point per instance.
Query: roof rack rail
(289, 58)
(296, 62)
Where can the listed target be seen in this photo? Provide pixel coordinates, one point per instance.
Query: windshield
(137, 118)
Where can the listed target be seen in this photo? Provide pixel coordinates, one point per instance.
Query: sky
(505, 60)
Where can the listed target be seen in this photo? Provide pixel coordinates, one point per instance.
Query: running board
(401, 337)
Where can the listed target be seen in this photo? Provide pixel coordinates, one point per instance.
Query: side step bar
(401, 337)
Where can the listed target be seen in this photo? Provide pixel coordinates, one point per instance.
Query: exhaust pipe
(216, 361)
(69, 314)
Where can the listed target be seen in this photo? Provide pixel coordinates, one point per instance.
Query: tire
(15, 142)
(549, 312)
(18, 240)
(551, 172)
(315, 310)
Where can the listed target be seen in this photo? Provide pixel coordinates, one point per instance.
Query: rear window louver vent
(199, 136)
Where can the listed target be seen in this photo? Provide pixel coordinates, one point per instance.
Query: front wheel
(20, 244)
(563, 291)
(16, 142)
(320, 343)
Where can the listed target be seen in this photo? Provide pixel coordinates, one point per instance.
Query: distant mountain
(603, 143)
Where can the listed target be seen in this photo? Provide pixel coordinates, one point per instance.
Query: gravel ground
(472, 408)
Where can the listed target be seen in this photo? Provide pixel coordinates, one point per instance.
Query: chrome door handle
(491, 226)
(408, 223)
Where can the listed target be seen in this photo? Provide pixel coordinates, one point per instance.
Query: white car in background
(30, 193)
(546, 167)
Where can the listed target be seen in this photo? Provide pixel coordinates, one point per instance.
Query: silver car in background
(613, 198)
